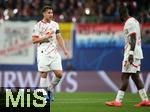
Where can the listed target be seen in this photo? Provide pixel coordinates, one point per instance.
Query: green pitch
(94, 102)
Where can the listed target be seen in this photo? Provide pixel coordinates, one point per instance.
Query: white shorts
(48, 63)
(131, 68)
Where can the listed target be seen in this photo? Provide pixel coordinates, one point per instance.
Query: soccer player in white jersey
(46, 35)
(132, 59)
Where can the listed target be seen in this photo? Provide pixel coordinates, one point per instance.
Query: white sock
(143, 95)
(43, 83)
(119, 96)
(53, 83)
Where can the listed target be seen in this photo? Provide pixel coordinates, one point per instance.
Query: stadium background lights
(61, 16)
(87, 11)
(6, 13)
(74, 19)
(15, 11)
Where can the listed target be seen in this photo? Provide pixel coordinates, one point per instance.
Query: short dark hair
(123, 9)
(46, 8)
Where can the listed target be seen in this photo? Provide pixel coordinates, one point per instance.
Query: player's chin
(50, 17)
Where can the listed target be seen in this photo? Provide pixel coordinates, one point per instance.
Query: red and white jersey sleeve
(35, 31)
(132, 26)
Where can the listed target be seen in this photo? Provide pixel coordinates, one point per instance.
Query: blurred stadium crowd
(74, 10)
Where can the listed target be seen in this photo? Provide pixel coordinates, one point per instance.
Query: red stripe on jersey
(135, 65)
(51, 51)
(46, 29)
(48, 47)
(39, 25)
(133, 33)
(125, 63)
(35, 36)
(43, 22)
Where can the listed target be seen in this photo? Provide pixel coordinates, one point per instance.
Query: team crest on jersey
(50, 31)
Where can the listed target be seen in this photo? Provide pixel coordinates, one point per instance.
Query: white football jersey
(132, 26)
(40, 29)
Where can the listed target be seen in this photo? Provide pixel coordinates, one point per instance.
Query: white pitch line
(75, 102)
(85, 100)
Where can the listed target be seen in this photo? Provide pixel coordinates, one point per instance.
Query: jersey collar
(44, 21)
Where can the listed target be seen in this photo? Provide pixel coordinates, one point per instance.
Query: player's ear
(43, 13)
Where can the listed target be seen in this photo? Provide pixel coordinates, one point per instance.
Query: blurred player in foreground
(46, 34)
(132, 59)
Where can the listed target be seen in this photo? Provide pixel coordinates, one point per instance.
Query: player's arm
(131, 29)
(37, 39)
(132, 41)
(36, 36)
(62, 44)
(132, 44)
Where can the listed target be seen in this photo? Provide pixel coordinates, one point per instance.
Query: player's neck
(46, 20)
(127, 17)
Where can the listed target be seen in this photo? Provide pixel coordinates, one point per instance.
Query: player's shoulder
(132, 20)
(54, 22)
(37, 23)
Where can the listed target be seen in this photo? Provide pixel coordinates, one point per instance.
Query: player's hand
(130, 59)
(67, 54)
(48, 35)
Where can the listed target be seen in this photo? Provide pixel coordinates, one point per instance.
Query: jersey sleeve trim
(132, 33)
(57, 31)
(135, 65)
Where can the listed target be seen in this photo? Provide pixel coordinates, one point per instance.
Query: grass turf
(94, 102)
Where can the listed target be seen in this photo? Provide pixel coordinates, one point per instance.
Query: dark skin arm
(132, 43)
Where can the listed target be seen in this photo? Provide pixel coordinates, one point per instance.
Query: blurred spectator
(26, 11)
(74, 10)
(1, 13)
